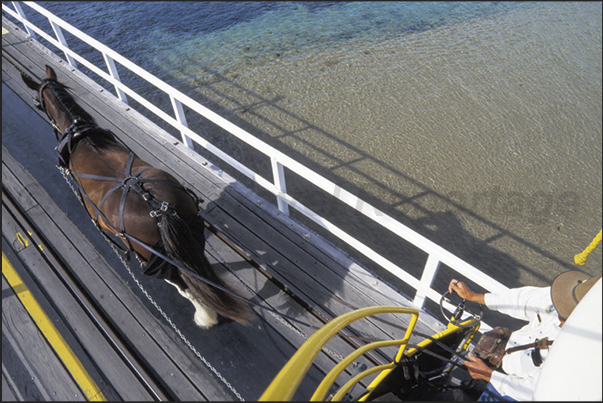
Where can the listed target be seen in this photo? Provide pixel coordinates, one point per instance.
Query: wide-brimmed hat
(568, 289)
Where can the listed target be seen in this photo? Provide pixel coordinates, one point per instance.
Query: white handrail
(436, 254)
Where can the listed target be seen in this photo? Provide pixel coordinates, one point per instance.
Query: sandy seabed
(484, 136)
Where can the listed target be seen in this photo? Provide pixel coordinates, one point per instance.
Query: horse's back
(112, 162)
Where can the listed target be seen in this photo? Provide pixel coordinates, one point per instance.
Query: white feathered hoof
(204, 317)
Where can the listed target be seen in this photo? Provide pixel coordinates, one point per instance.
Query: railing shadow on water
(441, 226)
(437, 209)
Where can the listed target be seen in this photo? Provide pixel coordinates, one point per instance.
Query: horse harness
(131, 182)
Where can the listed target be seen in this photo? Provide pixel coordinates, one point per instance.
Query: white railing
(436, 254)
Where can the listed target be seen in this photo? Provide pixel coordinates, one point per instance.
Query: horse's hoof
(205, 318)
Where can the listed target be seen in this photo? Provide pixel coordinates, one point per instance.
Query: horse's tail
(184, 243)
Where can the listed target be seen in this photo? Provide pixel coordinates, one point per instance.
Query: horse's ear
(30, 82)
(50, 73)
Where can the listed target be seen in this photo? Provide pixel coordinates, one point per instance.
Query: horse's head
(53, 99)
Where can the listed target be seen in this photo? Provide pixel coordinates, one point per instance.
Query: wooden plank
(59, 325)
(354, 275)
(39, 376)
(9, 393)
(19, 192)
(15, 365)
(302, 272)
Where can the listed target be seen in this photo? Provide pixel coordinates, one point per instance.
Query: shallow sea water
(476, 124)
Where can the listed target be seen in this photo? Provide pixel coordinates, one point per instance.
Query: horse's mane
(66, 100)
(98, 137)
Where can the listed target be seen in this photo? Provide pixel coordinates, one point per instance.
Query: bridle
(73, 133)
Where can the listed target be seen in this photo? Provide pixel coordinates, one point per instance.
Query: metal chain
(65, 172)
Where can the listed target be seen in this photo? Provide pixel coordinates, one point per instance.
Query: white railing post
(62, 41)
(181, 118)
(113, 71)
(19, 10)
(429, 272)
(278, 172)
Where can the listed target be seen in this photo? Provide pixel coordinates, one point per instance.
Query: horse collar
(69, 138)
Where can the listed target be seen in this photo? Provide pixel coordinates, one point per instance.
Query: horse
(154, 215)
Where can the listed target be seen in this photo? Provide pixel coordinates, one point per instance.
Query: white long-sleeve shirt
(532, 304)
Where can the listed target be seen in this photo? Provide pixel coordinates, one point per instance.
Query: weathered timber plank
(302, 272)
(354, 281)
(53, 315)
(42, 375)
(9, 389)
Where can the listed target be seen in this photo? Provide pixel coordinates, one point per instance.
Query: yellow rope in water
(580, 258)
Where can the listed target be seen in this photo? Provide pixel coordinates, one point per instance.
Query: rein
(131, 181)
(266, 308)
(76, 132)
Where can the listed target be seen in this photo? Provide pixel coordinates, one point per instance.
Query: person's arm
(520, 303)
(507, 385)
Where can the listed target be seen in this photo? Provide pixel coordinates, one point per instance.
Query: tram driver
(546, 309)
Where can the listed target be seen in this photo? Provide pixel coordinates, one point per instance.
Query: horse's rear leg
(204, 316)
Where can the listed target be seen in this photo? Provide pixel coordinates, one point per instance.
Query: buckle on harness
(156, 213)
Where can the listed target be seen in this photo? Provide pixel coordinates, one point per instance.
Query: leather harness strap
(135, 183)
(76, 132)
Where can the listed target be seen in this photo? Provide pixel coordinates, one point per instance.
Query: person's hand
(465, 292)
(478, 368)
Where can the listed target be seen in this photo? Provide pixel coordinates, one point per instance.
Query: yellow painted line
(73, 364)
(4, 31)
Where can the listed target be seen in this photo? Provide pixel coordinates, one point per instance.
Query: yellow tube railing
(348, 385)
(287, 381)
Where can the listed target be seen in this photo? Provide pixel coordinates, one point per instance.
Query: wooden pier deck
(125, 345)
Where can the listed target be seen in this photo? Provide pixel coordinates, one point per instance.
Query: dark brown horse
(147, 208)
